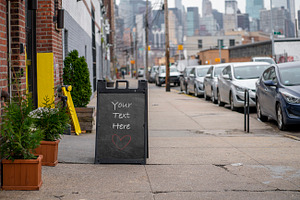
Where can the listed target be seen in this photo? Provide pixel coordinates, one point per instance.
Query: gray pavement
(197, 151)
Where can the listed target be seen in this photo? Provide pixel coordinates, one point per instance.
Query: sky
(216, 4)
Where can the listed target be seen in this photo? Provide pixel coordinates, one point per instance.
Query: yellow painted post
(67, 92)
(45, 77)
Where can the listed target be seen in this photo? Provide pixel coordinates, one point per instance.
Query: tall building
(287, 4)
(253, 8)
(219, 18)
(243, 21)
(178, 5)
(129, 9)
(206, 8)
(192, 21)
(230, 17)
(281, 22)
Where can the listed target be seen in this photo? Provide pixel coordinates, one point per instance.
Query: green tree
(76, 74)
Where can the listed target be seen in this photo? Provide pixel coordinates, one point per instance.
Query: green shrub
(19, 135)
(52, 119)
(76, 74)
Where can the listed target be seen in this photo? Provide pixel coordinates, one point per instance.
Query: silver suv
(160, 76)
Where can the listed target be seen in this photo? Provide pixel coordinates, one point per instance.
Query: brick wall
(3, 50)
(49, 39)
(18, 37)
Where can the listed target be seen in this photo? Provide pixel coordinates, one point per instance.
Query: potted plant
(21, 169)
(52, 119)
(76, 74)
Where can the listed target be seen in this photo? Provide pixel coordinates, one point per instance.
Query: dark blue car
(278, 94)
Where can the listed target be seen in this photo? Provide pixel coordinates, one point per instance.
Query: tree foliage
(76, 74)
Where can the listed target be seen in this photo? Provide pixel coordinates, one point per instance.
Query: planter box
(49, 150)
(86, 118)
(22, 174)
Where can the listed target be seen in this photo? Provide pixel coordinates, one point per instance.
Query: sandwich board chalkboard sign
(122, 123)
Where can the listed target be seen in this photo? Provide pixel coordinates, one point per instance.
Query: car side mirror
(226, 76)
(207, 75)
(270, 83)
(192, 75)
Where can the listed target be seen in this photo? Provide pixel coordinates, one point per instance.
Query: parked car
(278, 94)
(160, 76)
(195, 80)
(263, 59)
(183, 78)
(235, 79)
(141, 72)
(152, 74)
(211, 81)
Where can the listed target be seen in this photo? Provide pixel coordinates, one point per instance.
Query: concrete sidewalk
(197, 151)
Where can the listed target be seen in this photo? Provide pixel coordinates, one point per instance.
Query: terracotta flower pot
(49, 150)
(22, 174)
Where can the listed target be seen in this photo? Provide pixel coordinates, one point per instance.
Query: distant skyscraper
(230, 17)
(178, 5)
(219, 17)
(281, 22)
(253, 8)
(243, 21)
(192, 21)
(129, 9)
(287, 4)
(206, 8)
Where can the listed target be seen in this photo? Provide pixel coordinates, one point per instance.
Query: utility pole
(272, 30)
(167, 46)
(136, 57)
(132, 49)
(147, 42)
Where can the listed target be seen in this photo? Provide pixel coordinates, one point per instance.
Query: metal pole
(147, 41)
(167, 46)
(136, 55)
(220, 51)
(272, 30)
(248, 111)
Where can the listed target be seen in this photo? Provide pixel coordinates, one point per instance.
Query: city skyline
(215, 4)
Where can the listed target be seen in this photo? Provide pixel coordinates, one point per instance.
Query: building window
(220, 43)
(231, 43)
(199, 44)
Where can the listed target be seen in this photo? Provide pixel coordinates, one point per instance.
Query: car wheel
(213, 97)
(220, 103)
(196, 92)
(205, 95)
(260, 116)
(188, 90)
(157, 83)
(232, 107)
(280, 122)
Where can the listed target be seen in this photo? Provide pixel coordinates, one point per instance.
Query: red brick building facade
(28, 27)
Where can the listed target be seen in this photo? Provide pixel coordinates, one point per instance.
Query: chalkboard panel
(121, 124)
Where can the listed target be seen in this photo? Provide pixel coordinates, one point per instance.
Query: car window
(173, 69)
(210, 71)
(266, 75)
(192, 71)
(249, 71)
(225, 71)
(201, 72)
(290, 76)
(162, 69)
(273, 76)
(218, 71)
